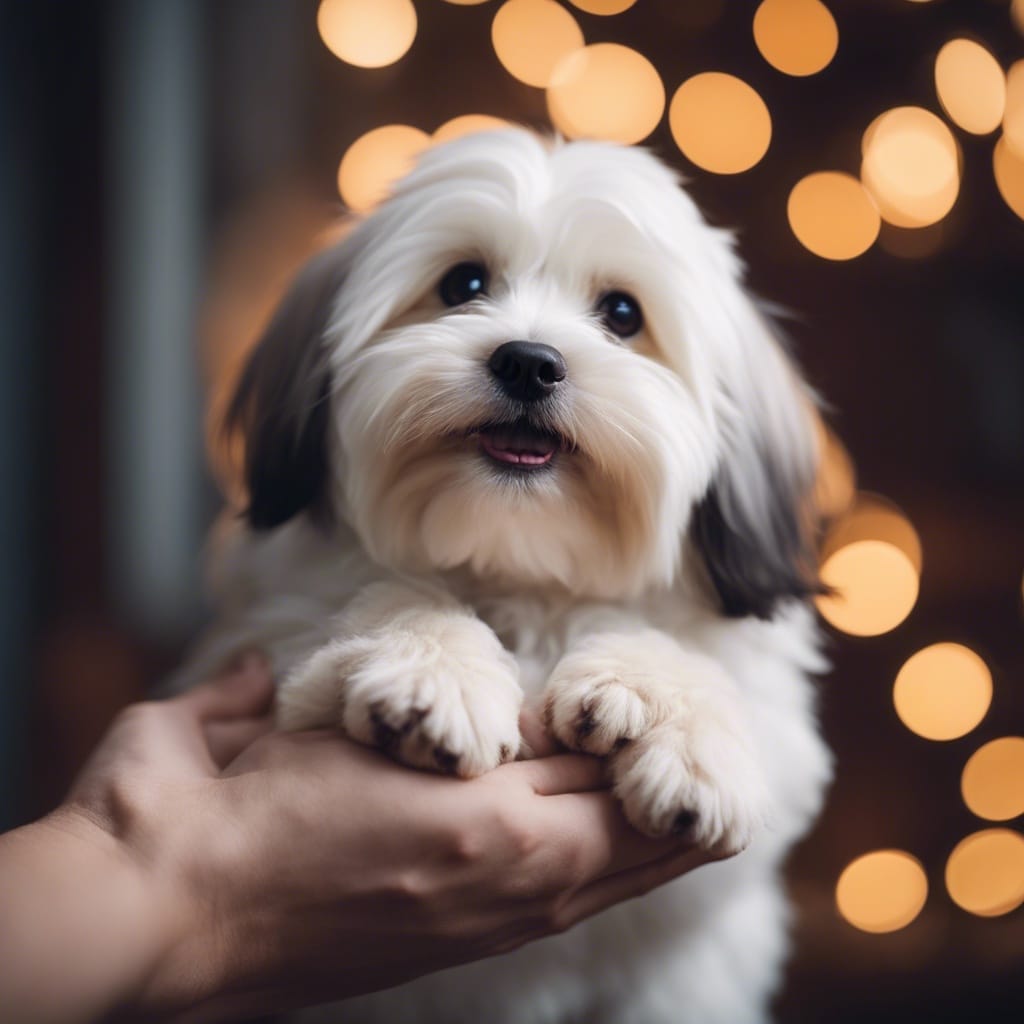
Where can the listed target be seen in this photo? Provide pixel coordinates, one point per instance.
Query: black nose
(526, 370)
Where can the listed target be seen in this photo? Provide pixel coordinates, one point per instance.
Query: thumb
(242, 690)
(197, 720)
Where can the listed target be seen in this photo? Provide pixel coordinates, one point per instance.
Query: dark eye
(621, 314)
(463, 283)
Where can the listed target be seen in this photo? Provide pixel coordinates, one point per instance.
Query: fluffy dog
(522, 432)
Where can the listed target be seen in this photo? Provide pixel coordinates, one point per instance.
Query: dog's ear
(281, 405)
(756, 528)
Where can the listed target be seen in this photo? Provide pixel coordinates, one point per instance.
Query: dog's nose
(526, 370)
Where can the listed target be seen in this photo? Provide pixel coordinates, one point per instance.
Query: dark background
(164, 164)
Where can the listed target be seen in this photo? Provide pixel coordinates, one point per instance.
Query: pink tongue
(508, 449)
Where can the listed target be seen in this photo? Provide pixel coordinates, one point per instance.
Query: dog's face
(537, 362)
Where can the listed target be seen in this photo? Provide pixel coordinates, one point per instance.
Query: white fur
(443, 592)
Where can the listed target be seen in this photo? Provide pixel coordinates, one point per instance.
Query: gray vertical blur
(18, 357)
(154, 176)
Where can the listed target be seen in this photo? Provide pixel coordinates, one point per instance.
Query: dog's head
(537, 362)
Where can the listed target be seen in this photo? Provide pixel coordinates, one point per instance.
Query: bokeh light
(971, 86)
(375, 161)
(832, 214)
(367, 33)
(875, 588)
(531, 37)
(943, 691)
(797, 37)
(1008, 168)
(992, 783)
(606, 91)
(835, 485)
(603, 6)
(911, 166)
(720, 123)
(468, 124)
(1013, 118)
(871, 559)
(882, 891)
(985, 872)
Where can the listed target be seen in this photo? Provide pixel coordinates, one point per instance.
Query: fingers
(535, 736)
(596, 838)
(630, 883)
(179, 728)
(563, 773)
(243, 690)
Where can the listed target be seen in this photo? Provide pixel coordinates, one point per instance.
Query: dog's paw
(692, 779)
(597, 702)
(447, 700)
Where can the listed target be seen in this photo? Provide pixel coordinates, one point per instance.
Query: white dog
(524, 432)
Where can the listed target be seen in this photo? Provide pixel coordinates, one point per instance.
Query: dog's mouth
(519, 446)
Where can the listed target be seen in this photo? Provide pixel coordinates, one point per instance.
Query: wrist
(119, 909)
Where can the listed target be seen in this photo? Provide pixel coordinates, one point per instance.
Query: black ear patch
(755, 562)
(282, 403)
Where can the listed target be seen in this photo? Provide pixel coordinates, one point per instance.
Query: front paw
(596, 707)
(694, 779)
(670, 723)
(447, 701)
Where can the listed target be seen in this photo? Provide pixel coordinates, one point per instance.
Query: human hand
(307, 868)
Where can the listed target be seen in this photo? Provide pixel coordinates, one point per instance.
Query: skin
(205, 868)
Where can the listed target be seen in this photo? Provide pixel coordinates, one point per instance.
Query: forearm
(84, 928)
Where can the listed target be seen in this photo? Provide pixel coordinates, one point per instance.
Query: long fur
(648, 589)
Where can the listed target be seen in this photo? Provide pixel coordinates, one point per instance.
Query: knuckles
(502, 834)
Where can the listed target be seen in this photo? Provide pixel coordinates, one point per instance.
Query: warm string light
(468, 124)
(1008, 168)
(985, 872)
(531, 38)
(943, 691)
(911, 162)
(911, 166)
(1013, 117)
(882, 891)
(835, 484)
(604, 7)
(970, 85)
(832, 215)
(606, 91)
(1017, 14)
(992, 783)
(375, 161)
(720, 123)
(872, 561)
(797, 37)
(367, 33)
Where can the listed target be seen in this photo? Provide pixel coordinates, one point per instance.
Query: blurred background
(165, 165)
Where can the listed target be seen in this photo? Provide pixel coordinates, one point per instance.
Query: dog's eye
(621, 314)
(463, 283)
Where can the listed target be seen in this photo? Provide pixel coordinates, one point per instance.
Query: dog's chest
(534, 631)
(539, 630)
